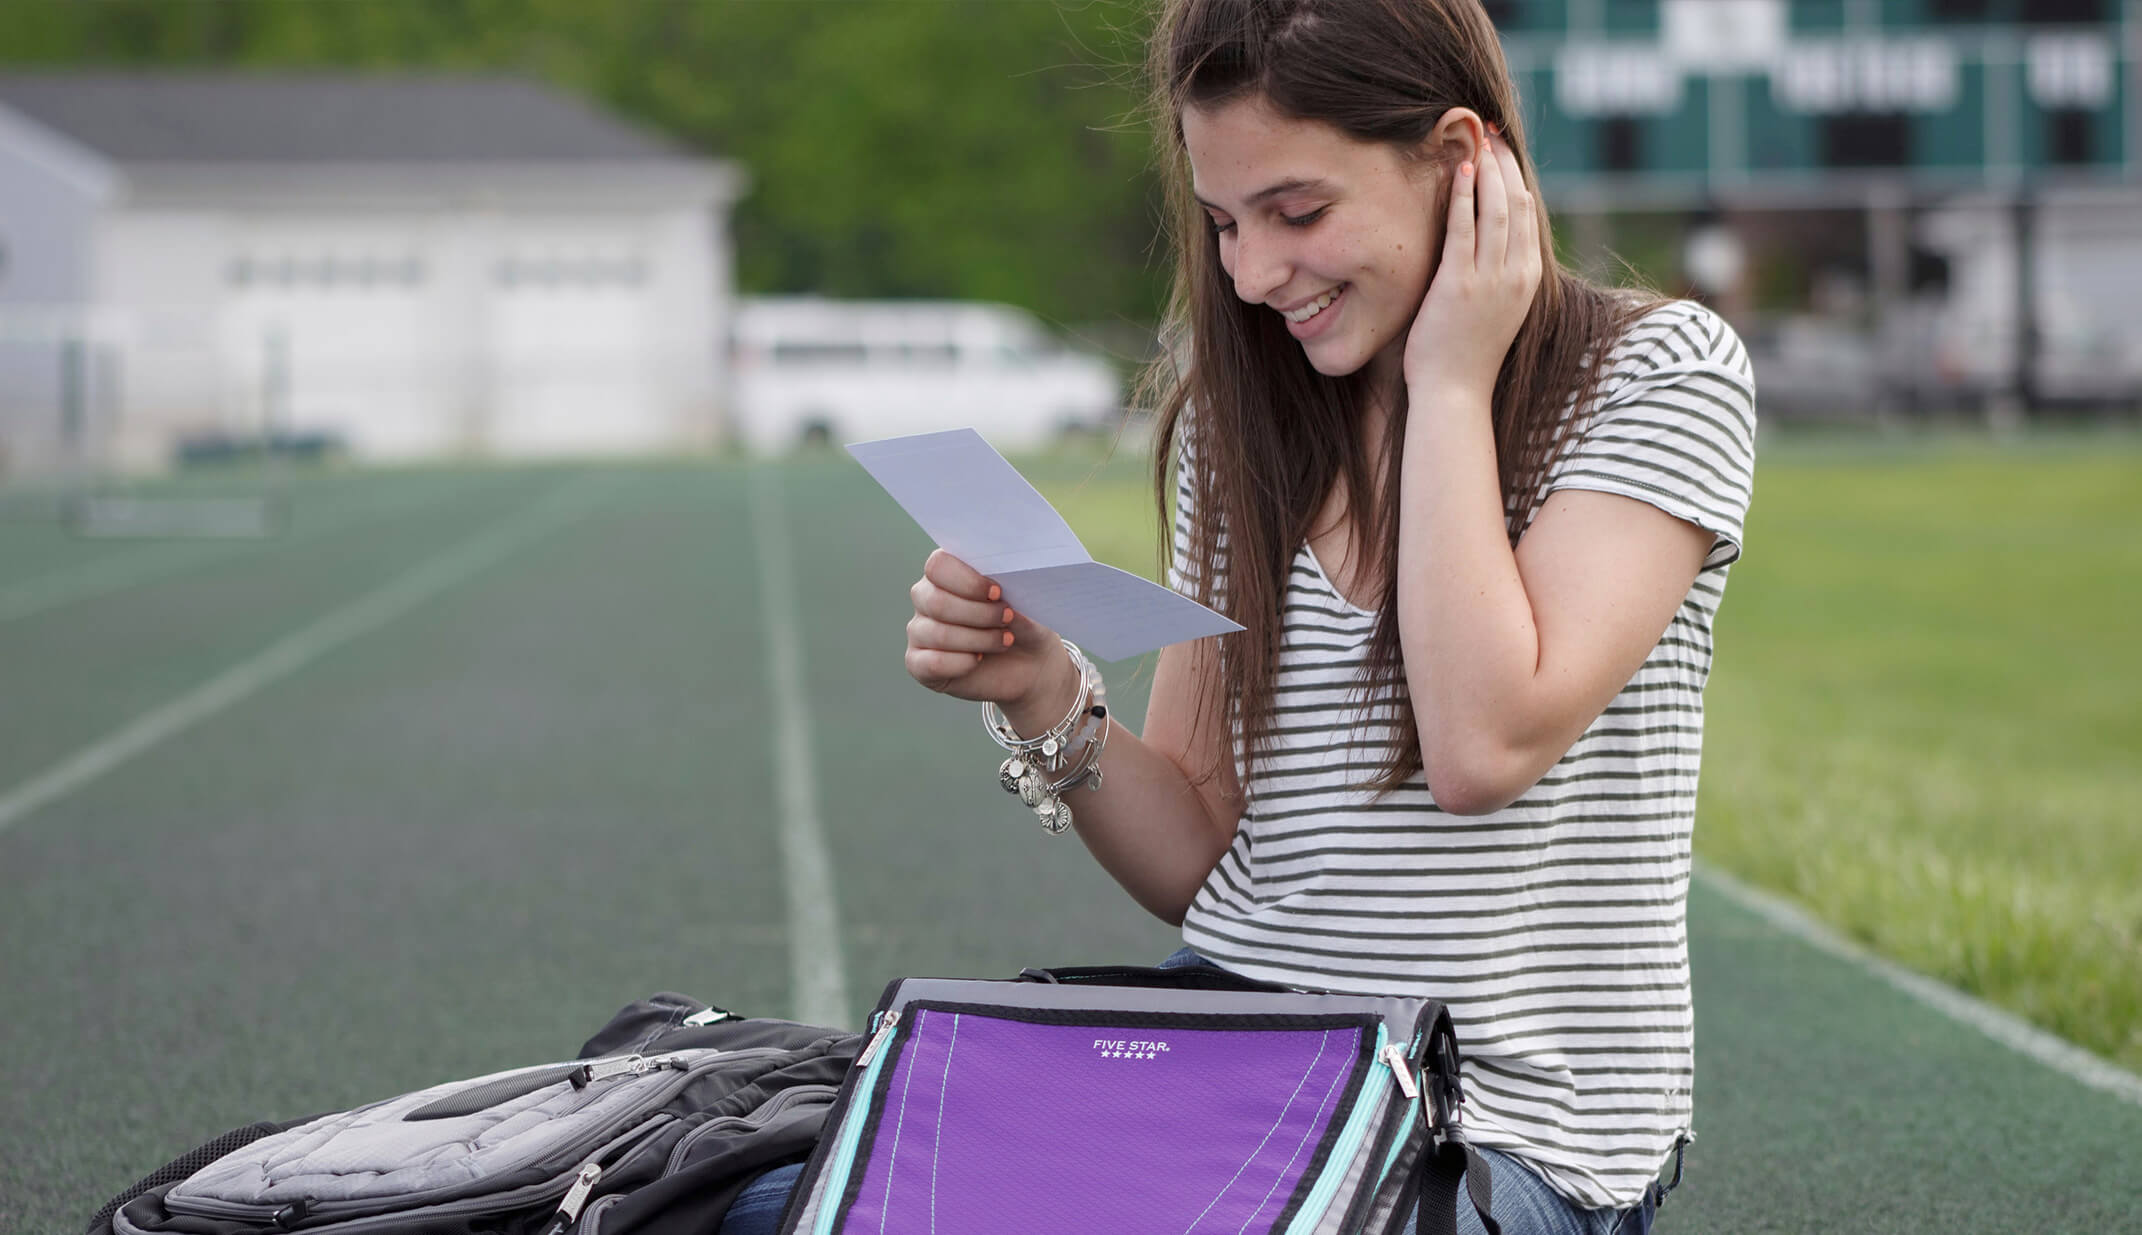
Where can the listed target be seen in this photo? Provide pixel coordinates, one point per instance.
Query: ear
(1459, 135)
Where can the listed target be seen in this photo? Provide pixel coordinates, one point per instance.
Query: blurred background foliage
(965, 149)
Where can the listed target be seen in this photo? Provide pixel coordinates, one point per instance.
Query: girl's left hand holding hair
(1487, 279)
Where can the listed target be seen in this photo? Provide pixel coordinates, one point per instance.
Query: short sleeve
(1185, 568)
(1673, 425)
(1182, 572)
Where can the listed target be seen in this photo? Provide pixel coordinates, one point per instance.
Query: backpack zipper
(575, 1198)
(624, 1065)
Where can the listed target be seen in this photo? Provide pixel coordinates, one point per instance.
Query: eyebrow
(1270, 191)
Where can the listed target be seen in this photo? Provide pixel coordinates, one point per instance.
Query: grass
(1925, 722)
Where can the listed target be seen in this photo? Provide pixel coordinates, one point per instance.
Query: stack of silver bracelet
(1041, 770)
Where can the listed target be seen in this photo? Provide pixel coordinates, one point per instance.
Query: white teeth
(1314, 307)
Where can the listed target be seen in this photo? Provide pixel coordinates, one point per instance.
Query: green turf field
(1924, 718)
(434, 781)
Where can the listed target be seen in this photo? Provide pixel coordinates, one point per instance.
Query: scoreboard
(1680, 103)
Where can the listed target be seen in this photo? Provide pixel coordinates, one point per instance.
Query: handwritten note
(978, 508)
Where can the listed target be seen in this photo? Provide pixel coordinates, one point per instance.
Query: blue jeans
(1524, 1204)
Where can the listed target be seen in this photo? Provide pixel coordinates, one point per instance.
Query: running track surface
(463, 819)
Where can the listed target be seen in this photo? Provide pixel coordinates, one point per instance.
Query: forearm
(1146, 825)
(1467, 628)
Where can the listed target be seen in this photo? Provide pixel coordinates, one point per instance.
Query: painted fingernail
(1007, 615)
(1007, 638)
(1465, 169)
(995, 592)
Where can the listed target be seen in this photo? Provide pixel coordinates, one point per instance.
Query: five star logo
(1110, 1048)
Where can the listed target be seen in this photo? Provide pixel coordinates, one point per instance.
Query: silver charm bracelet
(1042, 769)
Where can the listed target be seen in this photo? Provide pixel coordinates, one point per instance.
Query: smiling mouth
(1314, 307)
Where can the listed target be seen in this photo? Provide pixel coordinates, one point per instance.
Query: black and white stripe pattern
(1554, 929)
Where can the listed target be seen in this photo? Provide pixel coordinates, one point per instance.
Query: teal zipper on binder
(1342, 1150)
(851, 1133)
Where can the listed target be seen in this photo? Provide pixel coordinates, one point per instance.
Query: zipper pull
(877, 1040)
(604, 1069)
(575, 1199)
(708, 1016)
(1394, 1057)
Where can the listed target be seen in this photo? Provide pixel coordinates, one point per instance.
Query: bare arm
(1159, 823)
(1509, 655)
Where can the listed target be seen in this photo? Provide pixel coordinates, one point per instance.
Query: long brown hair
(1269, 434)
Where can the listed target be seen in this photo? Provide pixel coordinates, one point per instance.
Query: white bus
(810, 370)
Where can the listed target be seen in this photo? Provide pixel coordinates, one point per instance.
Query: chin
(1335, 361)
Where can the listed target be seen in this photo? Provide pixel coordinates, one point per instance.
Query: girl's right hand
(964, 641)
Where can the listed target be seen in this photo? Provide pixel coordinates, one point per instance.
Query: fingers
(959, 618)
(1494, 237)
(958, 578)
(934, 601)
(935, 669)
(1524, 240)
(1458, 238)
(924, 632)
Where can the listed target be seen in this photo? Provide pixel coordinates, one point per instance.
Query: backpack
(664, 1117)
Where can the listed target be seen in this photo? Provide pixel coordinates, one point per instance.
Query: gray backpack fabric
(656, 1137)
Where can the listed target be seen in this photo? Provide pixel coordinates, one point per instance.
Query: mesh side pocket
(179, 1168)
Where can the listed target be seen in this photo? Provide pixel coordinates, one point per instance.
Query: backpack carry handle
(1179, 977)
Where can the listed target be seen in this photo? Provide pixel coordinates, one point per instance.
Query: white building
(414, 265)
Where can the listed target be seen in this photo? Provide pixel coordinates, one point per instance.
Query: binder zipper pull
(574, 1200)
(708, 1016)
(1394, 1057)
(877, 1040)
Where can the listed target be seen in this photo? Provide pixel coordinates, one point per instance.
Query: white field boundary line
(120, 571)
(818, 977)
(2003, 1027)
(547, 514)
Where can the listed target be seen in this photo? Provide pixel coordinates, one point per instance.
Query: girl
(1475, 516)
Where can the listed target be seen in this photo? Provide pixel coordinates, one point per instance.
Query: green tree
(983, 149)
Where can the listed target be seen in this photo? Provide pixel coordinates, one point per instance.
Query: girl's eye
(1219, 228)
(1303, 220)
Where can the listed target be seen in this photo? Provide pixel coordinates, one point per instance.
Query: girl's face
(1336, 235)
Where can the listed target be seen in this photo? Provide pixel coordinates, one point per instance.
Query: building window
(1866, 139)
(285, 271)
(629, 271)
(2068, 134)
(1632, 16)
(1620, 144)
(2062, 12)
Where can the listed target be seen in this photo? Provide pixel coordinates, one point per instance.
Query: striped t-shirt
(1555, 929)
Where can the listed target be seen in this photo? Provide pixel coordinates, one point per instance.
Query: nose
(1259, 268)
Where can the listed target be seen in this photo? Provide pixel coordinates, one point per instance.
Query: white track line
(818, 976)
(2003, 1027)
(367, 613)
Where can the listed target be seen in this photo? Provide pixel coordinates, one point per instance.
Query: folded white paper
(978, 508)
